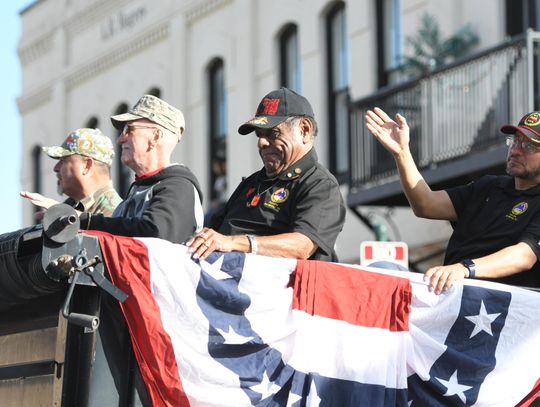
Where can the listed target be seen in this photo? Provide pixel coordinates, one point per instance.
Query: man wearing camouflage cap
(165, 199)
(496, 219)
(83, 171)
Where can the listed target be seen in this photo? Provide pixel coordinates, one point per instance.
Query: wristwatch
(252, 244)
(470, 266)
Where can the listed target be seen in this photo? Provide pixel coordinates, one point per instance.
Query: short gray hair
(294, 120)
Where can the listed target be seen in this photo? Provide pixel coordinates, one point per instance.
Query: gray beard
(526, 175)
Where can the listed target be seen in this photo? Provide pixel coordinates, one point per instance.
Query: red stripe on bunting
(528, 400)
(363, 298)
(129, 268)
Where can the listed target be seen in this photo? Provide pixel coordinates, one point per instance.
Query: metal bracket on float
(60, 227)
(80, 265)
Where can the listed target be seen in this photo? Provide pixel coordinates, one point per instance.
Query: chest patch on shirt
(280, 195)
(277, 198)
(518, 209)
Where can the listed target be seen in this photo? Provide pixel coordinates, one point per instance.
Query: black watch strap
(470, 266)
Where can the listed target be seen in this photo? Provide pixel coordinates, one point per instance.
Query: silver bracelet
(252, 244)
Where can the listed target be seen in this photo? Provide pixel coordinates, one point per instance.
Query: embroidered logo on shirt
(280, 195)
(518, 209)
(277, 198)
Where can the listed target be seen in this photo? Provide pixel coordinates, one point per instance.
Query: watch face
(467, 263)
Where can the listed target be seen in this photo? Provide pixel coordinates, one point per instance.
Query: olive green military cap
(156, 110)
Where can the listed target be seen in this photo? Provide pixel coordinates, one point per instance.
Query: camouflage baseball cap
(86, 142)
(156, 110)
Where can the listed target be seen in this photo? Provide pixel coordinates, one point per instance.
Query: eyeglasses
(129, 128)
(526, 147)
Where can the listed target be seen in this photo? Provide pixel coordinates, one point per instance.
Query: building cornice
(35, 99)
(203, 8)
(92, 14)
(36, 49)
(81, 21)
(90, 70)
(117, 55)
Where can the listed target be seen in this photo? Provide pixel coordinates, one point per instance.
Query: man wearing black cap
(290, 208)
(496, 219)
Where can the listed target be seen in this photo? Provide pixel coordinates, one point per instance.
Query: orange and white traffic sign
(395, 252)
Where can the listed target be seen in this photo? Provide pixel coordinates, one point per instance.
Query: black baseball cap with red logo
(529, 126)
(275, 108)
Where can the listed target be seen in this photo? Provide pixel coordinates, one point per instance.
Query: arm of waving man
(394, 136)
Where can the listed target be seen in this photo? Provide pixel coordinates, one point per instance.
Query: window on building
(394, 43)
(389, 39)
(92, 123)
(124, 175)
(37, 177)
(289, 58)
(338, 90)
(154, 92)
(218, 134)
(521, 15)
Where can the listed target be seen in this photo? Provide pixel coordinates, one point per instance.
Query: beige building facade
(85, 60)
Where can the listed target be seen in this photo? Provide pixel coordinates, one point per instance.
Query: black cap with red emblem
(275, 108)
(529, 126)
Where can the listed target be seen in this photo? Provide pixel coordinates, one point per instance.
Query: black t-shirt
(166, 205)
(492, 215)
(305, 198)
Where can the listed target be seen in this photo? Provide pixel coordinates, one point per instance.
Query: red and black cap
(529, 126)
(275, 108)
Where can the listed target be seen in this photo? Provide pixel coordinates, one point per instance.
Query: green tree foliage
(431, 51)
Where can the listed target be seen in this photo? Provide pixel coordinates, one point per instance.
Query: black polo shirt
(492, 215)
(305, 198)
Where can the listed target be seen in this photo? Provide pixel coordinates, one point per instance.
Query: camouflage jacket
(104, 201)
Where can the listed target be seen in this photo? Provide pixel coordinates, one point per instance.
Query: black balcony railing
(453, 113)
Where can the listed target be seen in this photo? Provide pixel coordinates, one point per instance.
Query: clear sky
(10, 125)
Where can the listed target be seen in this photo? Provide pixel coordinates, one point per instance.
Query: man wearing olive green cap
(155, 110)
(83, 172)
(165, 199)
